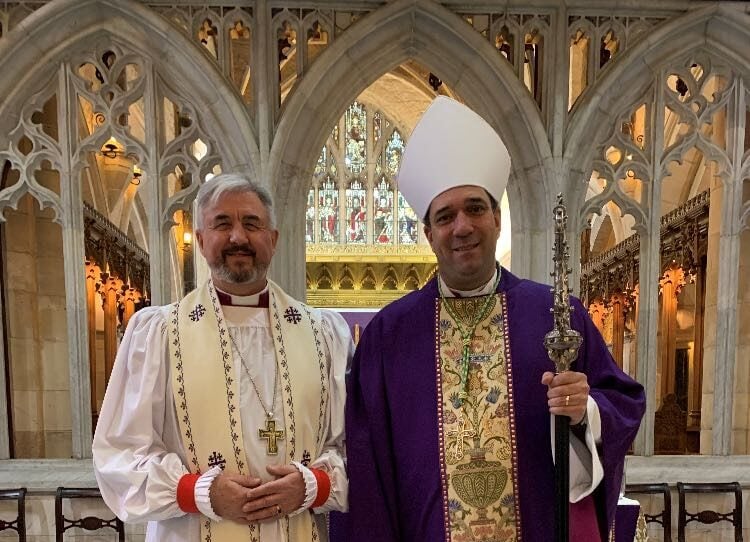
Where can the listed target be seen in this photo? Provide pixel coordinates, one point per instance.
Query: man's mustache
(239, 249)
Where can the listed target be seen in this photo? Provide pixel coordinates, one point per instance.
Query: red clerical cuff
(324, 487)
(186, 493)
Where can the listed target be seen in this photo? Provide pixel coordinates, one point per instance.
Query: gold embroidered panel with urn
(477, 429)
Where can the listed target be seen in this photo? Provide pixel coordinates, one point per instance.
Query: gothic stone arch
(34, 54)
(719, 32)
(438, 39)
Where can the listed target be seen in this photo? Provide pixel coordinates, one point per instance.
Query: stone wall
(37, 332)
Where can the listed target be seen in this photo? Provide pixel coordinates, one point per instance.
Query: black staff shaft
(562, 478)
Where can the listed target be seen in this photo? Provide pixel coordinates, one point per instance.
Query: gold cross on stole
(460, 433)
(272, 435)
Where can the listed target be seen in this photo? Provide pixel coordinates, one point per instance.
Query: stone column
(722, 287)
(695, 374)
(741, 423)
(71, 196)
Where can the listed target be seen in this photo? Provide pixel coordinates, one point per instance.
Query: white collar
(482, 290)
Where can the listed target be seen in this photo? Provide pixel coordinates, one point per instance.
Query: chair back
(88, 523)
(18, 524)
(733, 516)
(663, 518)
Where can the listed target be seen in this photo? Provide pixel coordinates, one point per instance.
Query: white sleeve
(340, 349)
(137, 451)
(586, 471)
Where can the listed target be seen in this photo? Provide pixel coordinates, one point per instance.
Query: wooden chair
(734, 516)
(88, 523)
(670, 427)
(18, 524)
(663, 518)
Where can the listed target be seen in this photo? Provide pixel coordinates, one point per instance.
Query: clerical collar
(482, 290)
(256, 300)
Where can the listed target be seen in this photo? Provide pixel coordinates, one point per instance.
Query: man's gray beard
(225, 274)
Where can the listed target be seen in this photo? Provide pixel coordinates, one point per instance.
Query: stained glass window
(393, 153)
(377, 130)
(328, 211)
(356, 134)
(322, 164)
(408, 223)
(310, 217)
(383, 217)
(356, 213)
(355, 199)
(335, 135)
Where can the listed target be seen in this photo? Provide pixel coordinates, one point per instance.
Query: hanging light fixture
(111, 149)
(137, 174)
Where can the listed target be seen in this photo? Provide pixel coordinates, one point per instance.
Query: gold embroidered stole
(207, 395)
(477, 436)
(304, 386)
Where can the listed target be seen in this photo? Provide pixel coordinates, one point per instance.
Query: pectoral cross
(462, 432)
(272, 435)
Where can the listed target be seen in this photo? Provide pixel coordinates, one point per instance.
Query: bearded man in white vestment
(223, 420)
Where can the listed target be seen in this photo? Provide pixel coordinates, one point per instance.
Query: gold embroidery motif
(478, 445)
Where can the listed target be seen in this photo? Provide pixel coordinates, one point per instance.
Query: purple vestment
(395, 491)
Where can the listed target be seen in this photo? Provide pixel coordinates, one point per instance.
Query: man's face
(237, 242)
(463, 234)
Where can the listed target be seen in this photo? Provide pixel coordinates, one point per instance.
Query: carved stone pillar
(695, 373)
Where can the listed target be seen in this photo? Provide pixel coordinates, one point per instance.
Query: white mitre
(451, 146)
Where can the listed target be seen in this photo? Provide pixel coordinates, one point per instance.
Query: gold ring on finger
(567, 400)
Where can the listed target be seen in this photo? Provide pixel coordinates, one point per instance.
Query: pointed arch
(405, 30)
(715, 30)
(46, 34)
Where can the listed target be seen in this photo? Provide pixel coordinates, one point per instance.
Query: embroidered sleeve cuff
(202, 493)
(311, 487)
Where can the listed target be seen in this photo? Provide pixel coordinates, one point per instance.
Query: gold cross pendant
(272, 435)
(457, 453)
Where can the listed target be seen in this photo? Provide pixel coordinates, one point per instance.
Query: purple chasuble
(395, 488)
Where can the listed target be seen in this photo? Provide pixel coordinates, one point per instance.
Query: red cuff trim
(186, 493)
(324, 487)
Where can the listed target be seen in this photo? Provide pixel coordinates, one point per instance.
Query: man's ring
(567, 400)
(278, 510)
